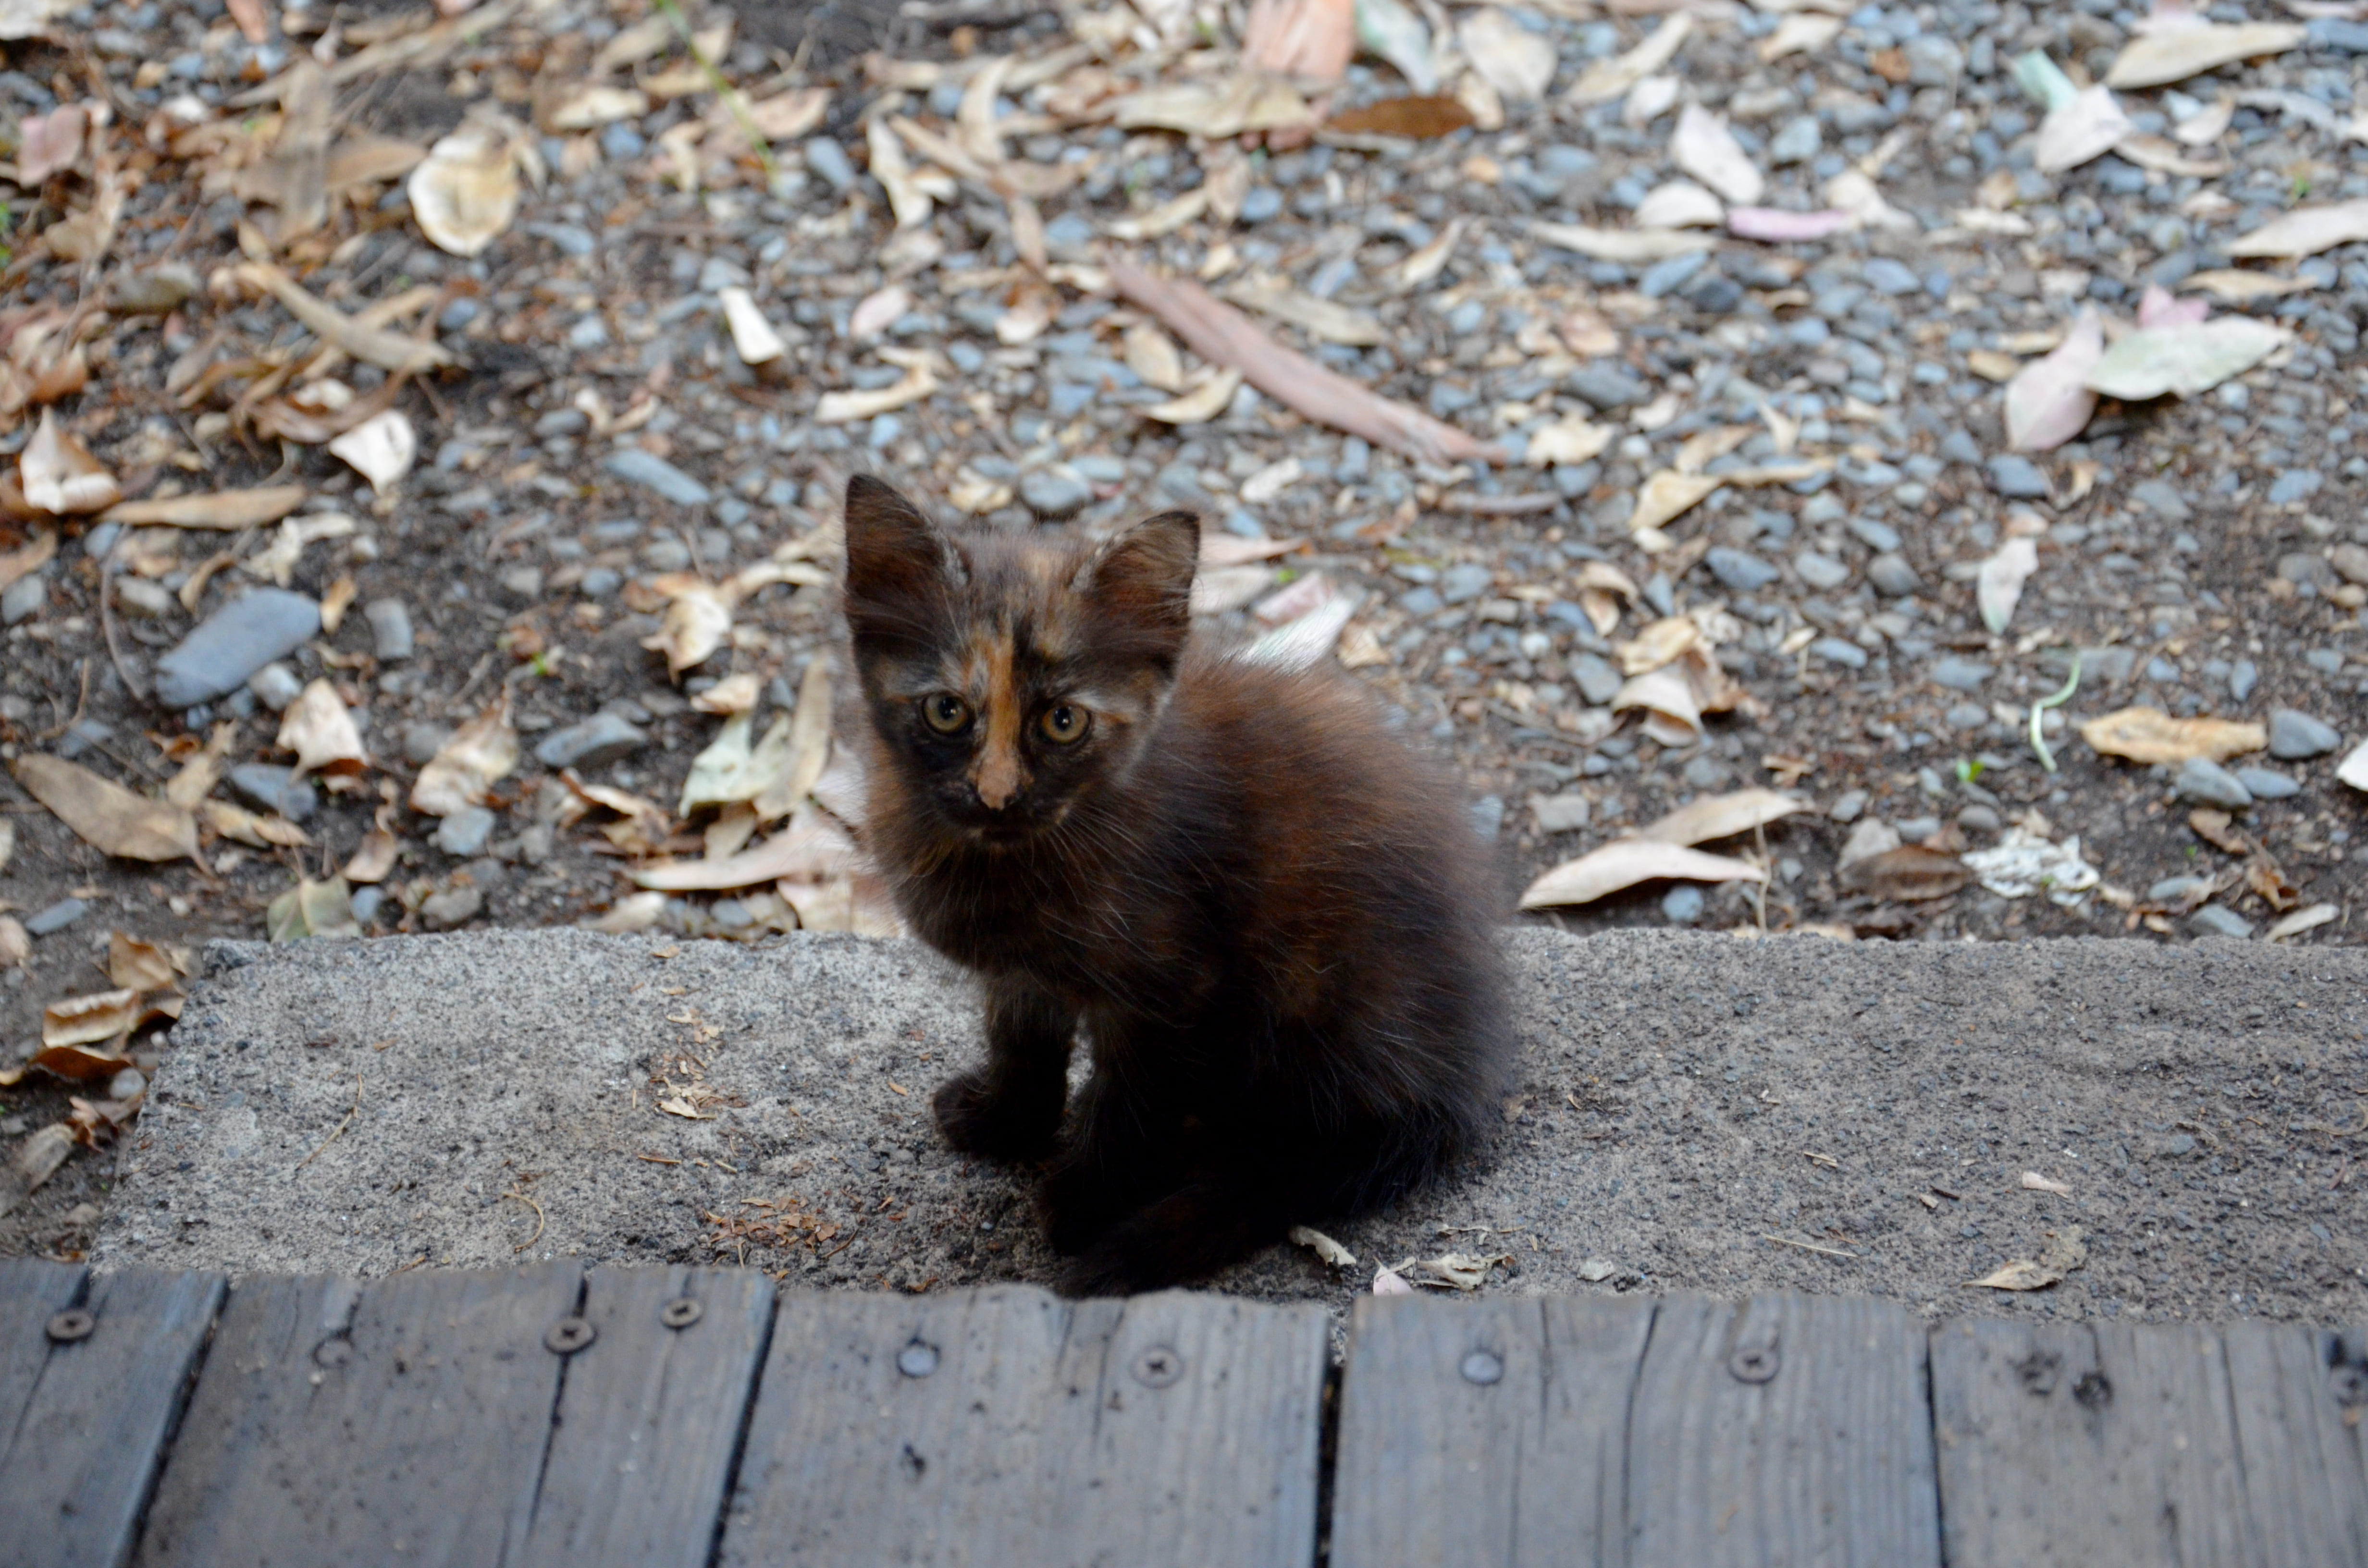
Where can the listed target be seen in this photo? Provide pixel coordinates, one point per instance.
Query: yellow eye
(945, 713)
(1063, 725)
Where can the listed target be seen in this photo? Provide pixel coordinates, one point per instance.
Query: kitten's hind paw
(978, 1121)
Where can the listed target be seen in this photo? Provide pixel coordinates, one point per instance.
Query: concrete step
(1694, 1112)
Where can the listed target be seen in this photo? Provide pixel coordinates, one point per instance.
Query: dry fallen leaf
(104, 814)
(1907, 874)
(140, 966)
(1324, 1246)
(1624, 864)
(1517, 64)
(1720, 816)
(1200, 404)
(2185, 359)
(1420, 118)
(2033, 1182)
(2165, 55)
(1309, 38)
(382, 448)
(2306, 231)
(464, 194)
(48, 144)
(79, 1020)
(2084, 127)
(2065, 1252)
(1667, 494)
(1605, 80)
(1704, 147)
(809, 744)
(2241, 288)
(465, 771)
(2150, 736)
(1390, 1282)
(696, 622)
(2294, 924)
(235, 821)
(1680, 204)
(2048, 402)
(1570, 440)
(15, 945)
(753, 337)
(57, 472)
(1627, 246)
(372, 344)
(375, 858)
(39, 1155)
(322, 733)
(225, 509)
(1999, 587)
(312, 909)
(28, 559)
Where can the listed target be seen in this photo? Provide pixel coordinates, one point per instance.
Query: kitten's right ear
(897, 561)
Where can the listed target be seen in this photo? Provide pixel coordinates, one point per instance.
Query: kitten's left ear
(1141, 579)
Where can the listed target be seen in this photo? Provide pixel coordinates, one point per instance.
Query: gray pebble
(1705, 772)
(2350, 563)
(453, 907)
(1820, 571)
(601, 739)
(2242, 678)
(274, 789)
(2295, 736)
(1682, 905)
(1597, 680)
(366, 903)
(1849, 806)
(463, 833)
(1739, 571)
(1607, 386)
(1966, 716)
(666, 553)
(22, 598)
(2264, 784)
(2170, 890)
(389, 624)
(56, 917)
(1488, 816)
(1561, 814)
(600, 582)
(275, 685)
(139, 597)
(523, 584)
(1461, 583)
(421, 743)
(1978, 818)
(652, 473)
(2214, 921)
(2207, 783)
(1056, 491)
(1960, 674)
(2295, 485)
(1916, 830)
(828, 159)
(2163, 499)
(234, 642)
(1893, 576)
(1799, 142)
(1839, 650)
(2017, 478)
(1889, 276)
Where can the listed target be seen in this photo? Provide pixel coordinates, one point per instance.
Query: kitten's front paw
(1076, 1203)
(977, 1121)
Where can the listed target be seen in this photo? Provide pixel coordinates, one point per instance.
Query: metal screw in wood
(681, 1312)
(1483, 1367)
(1159, 1367)
(70, 1325)
(568, 1335)
(1754, 1363)
(918, 1359)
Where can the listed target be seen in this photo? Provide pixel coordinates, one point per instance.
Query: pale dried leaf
(1390, 1282)
(79, 1020)
(1624, 864)
(1309, 39)
(842, 407)
(906, 199)
(1672, 712)
(2066, 1251)
(2208, 124)
(1243, 102)
(696, 622)
(2237, 287)
(1908, 874)
(1571, 439)
(1626, 246)
(1203, 403)
(57, 474)
(2033, 1182)
(105, 814)
(809, 745)
(322, 733)
(1320, 318)
(2158, 307)
(465, 193)
(312, 909)
(590, 105)
(463, 771)
(2294, 924)
(28, 559)
(1606, 79)
(2160, 58)
(1389, 30)
(2306, 230)
(2085, 126)
(1999, 587)
(231, 821)
(374, 346)
(1150, 354)
(636, 911)
(1657, 644)
(29, 19)
(1324, 1246)
(753, 337)
(1680, 204)
(1668, 494)
(2183, 360)
(2150, 736)
(1704, 147)
(810, 847)
(39, 1155)
(374, 858)
(1720, 816)
(1517, 64)
(16, 945)
(49, 143)
(135, 965)
(1804, 32)
(2353, 769)
(225, 509)
(2049, 400)
(382, 448)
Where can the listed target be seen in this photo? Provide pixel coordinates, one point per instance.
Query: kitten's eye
(1063, 725)
(945, 713)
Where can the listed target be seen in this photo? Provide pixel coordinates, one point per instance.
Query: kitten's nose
(997, 778)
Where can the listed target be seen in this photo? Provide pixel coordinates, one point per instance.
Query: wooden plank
(77, 1463)
(2076, 1443)
(2299, 1396)
(32, 1291)
(1003, 1426)
(1787, 1428)
(650, 1418)
(408, 1424)
(1487, 1431)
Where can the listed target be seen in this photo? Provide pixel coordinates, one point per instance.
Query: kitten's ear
(1140, 580)
(897, 561)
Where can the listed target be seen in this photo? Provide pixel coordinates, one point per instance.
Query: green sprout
(1968, 770)
(2038, 742)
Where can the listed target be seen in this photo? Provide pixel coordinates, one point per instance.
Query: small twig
(341, 1126)
(531, 1203)
(1812, 1246)
(2046, 757)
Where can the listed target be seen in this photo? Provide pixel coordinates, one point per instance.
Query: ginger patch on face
(995, 772)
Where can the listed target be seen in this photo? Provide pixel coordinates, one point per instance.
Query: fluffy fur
(1269, 917)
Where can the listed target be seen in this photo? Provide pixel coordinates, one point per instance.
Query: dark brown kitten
(1272, 918)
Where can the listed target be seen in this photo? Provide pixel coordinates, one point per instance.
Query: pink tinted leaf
(49, 143)
(1777, 225)
(2048, 403)
(2159, 307)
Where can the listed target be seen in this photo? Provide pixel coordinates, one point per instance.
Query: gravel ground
(2205, 554)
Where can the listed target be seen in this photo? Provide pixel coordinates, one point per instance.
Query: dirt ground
(2200, 553)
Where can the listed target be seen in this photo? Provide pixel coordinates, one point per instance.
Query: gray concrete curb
(1683, 1098)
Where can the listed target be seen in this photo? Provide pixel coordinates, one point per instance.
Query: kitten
(1272, 919)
